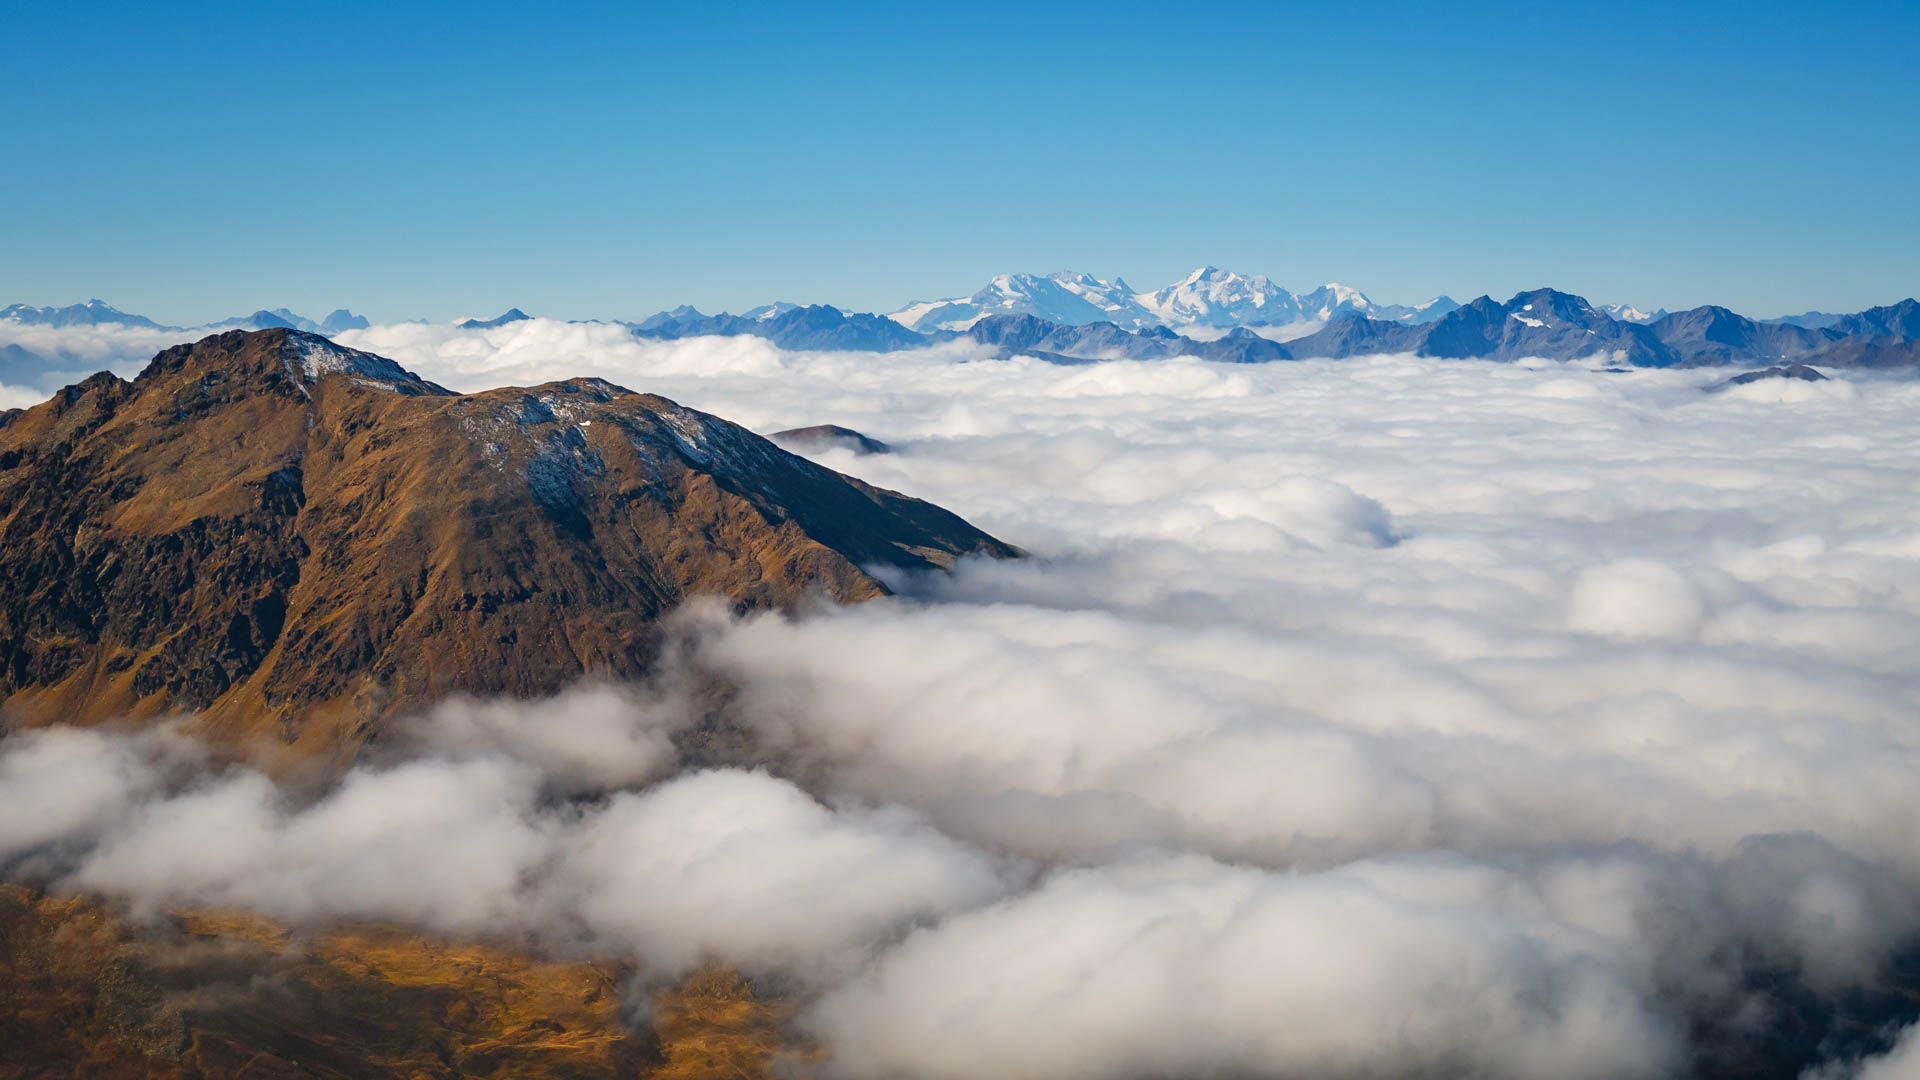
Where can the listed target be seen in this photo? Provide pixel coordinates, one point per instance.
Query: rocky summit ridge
(294, 540)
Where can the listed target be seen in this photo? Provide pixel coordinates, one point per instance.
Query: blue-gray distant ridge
(511, 315)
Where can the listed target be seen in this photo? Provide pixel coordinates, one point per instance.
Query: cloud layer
(1353, 718)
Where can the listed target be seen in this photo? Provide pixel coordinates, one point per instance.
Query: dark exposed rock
(1787, 371)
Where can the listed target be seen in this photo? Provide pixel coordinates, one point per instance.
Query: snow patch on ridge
(310, 356)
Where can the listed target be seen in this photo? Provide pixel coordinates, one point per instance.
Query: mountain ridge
(1208, 297)
(1215, 306)
(293, 540)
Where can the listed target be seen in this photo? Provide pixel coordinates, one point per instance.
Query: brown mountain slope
(297, 539)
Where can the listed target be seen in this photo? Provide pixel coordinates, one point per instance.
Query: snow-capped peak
(1065, 297)
(1629, 313)
(1346, 294)
(768, 311)
(1206, 297)
(1211, 296)
(1333, 299)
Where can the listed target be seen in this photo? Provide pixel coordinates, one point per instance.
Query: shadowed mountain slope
(297, 539)
(814, 327)
(1025, 335)
(1543, 323)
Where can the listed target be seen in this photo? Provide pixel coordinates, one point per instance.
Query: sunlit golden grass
(714, 1025)
(85, 992)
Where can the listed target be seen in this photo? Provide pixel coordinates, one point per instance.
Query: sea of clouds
(1366, 717)
(37, 360)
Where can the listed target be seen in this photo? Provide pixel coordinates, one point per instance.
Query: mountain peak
(307, 544)
(1211, 296)
(92, 312)
(1629, 314)
(1545, 301)
(314, 356)
(511, 315)
(341, 319)
(764, 311)
(280, 360)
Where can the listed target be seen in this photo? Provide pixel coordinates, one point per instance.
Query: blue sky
(441, 160)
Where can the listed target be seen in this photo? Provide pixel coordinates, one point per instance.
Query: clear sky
(434, 160)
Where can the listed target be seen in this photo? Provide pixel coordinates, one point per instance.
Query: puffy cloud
(20, 397)
(61, 355)
(65, 785)
(1184, 966)
(590, 738)
(745, 868)
(1636, 599)
(728, 865)
(431, 843)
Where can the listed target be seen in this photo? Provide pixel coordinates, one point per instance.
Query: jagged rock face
(295, 539)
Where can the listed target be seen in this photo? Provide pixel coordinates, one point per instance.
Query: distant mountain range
(1542, 323)
(99, 312)
(816, 327)
(1211, 314)
(1559, 326)
(1208, 297)
(1026, 335)
(91, 313)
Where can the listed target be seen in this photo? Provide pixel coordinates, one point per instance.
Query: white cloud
(71, 353)
(1636, 599)
(590, 738)
(1189, 967)
(749, 869)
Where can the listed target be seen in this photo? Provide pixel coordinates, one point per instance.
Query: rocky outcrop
(1800, 372)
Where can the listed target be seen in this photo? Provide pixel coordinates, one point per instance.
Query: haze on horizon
(446, 161)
